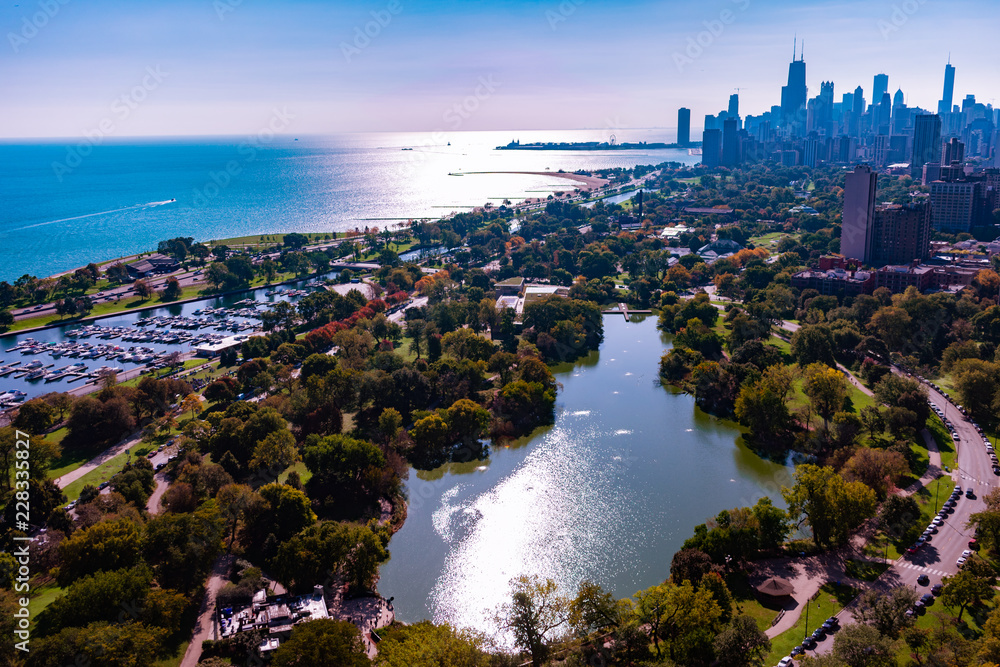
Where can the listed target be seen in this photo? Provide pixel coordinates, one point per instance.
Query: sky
(73, 68)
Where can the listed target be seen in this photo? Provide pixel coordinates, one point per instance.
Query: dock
(622, 309)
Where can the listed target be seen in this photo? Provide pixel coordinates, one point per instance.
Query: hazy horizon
(227, 67)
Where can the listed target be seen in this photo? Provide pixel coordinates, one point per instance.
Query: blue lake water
(608, 493)
(115, 200)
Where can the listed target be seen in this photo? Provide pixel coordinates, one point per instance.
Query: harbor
(63, 357)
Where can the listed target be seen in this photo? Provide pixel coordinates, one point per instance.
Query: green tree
(325, 642)
(830, 505)
(826, 388)
(742, 644)
(969, 587)
(35, 417)
(533, 614)
(109, 545)
(424, 644)
(860, 645)
(886, 610)
(813, 344)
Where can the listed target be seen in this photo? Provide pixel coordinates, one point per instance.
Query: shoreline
(139, 309)
(592, 182)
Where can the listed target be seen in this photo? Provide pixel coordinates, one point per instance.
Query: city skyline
(223, 67)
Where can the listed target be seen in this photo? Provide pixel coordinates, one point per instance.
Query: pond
(608, 493)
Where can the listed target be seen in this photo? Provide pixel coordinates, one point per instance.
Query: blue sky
(224, 66)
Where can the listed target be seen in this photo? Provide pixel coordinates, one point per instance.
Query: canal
(608, 493)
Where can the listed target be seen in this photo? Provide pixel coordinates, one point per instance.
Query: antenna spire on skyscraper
(802, 52)
(795, 46)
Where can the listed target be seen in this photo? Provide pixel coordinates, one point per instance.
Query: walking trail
(205, 627)
(808, 574)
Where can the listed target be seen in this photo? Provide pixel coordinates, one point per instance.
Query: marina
(59, 358)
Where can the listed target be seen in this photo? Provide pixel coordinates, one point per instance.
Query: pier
(623, 310)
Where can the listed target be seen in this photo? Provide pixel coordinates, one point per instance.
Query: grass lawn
(865, 570)
(42, 597)
(175, 660)
(299, 467)
(830, 599)
(107, 470)
(940, 616)
(746, 601)
(931, 497)
(943, 438)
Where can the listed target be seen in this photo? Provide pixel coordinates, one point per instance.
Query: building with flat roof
(898, 278)
(953, 205)
(212, 350)
(859, 212)
(835, 282)
(901, 233)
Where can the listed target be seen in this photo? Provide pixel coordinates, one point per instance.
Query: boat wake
(91, 215)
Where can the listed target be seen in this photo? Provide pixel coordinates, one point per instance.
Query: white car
(786, 662)
(937, 521)
(966, 553)
(960, 562)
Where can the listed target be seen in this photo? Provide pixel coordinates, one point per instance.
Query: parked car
(923, 580)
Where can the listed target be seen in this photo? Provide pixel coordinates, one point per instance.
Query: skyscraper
(793, 96)
(711, 148)
(884, 115)
(857, 112)
(880, 87)
(859, 212)
(926, 143)
(683, 126)
(730, 143)
(953, 151)
(944, 106)
(734, 105)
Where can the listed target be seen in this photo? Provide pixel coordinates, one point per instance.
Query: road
(937, 559)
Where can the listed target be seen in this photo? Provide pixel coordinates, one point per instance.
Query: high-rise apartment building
(683, 126)
(926, 143)
(953, 205)
(859, 213)
(901, 234)
(731, 143)
(711, 148)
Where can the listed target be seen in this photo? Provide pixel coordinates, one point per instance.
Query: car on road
(103, 485)
(923, 580)
(927, 599)
(809, 643)
(973, 544)
(798, 650)
(786, 662)
(960, 562)
(936, 589)
(970, 494)
(967, 553)
(151, 454)
(819, 634)
(937, 521)
(996, 470)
